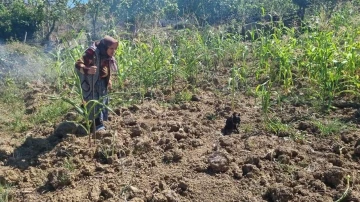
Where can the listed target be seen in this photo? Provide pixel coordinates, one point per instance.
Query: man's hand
(104, 72)
(92, 70)
(110, 85)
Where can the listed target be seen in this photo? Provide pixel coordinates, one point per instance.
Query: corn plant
(63, 62)
(148, 64)
(282, 52)
(244, 70)
(320, 52)
(173, 69)
(84, 109)
(124, 56)
(189, 55)
(57, 68)
(264, 90)
(216, 45)
(160, 62)
(239, 73)
(209, 58)
(263, 53)
(233, 84)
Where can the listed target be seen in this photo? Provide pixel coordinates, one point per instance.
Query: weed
(11, 92)
(49, 113)
(64, 178)
(69, 164)
(274, 125)
(332, 127)
(183, 96)
(107, 151)
(210, 116)
(5, 194)
(247, 127)
(299, 137)
(289, 169)
(18, 124)
(347, 190)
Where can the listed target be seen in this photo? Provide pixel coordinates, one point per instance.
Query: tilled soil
(157, 151)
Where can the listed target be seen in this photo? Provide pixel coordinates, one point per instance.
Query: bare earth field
(159, 151)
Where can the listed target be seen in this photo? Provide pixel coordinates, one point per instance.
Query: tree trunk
(47, 36)
(94, 21)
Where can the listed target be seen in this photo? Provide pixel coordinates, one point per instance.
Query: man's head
(108, 46)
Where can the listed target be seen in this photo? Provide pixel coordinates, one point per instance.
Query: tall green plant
(264, 90)
(232, 82)
(263, 53)
(322, 69)
(84, 109)
(282, 51)
(189, 54)
(5, 193)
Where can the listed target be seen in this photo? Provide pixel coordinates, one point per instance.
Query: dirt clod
(68, 127)
(334, 176)
(136, 131)
(161, 151)
(249, 168)
(357, 151)
(279, 193)
(218, 162)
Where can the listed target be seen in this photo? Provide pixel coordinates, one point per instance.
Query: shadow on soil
(28, 153)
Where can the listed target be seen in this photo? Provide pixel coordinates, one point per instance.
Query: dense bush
(18, 18)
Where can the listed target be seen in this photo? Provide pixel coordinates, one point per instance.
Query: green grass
(12, 107)
(5, 195)
(330, 127)
(183, 96)
(10, 92)
(275, 126)
(49, 112)
(69, 164)
(18, 124)
(299, 137)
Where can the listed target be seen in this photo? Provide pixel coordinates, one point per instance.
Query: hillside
(175, 152)
(296, 89)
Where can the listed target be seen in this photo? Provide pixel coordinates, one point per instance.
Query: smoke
(21, 63)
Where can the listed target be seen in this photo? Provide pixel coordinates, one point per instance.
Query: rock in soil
(218, 162)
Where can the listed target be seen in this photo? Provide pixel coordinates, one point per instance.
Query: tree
(208, 11)
(137, 12)
(20, 20)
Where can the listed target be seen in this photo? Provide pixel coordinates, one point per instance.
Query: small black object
(232, 124)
